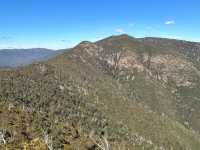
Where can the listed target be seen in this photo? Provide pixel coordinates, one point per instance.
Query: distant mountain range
(10, 58)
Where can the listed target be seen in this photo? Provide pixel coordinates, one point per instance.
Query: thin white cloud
(63, 40)
(6, 39)
(120, 31)
(170, 22)
(131, 24)
(172, 37)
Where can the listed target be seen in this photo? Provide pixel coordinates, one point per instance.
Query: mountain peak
(125, 36)
(122, 36)
(85, 43)
(86, 47)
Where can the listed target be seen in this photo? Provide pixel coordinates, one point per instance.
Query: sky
(58, 24)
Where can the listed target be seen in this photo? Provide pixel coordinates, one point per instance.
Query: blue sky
(63, 23)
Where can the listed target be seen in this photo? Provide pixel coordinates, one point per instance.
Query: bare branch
(2, 136)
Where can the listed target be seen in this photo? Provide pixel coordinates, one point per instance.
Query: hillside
(130, 93)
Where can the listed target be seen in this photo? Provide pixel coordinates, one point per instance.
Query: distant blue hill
(10, 58)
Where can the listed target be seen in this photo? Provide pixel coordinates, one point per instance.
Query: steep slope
(170, 74)
(113, 87)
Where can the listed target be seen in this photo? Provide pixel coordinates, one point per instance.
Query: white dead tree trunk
(100, 142)
(2, 137)
(48, 141)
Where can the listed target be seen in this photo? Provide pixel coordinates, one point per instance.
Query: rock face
(143, 93)
(174, 64)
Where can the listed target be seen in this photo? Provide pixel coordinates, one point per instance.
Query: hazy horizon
(49, 48)
(63, 24)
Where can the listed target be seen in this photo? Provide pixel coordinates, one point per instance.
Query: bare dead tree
(2, 137)
(116, 57)
(146, 49)
(100, 142)
(149, 59)
(48, 140)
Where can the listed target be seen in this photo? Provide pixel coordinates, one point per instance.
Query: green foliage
(79, 92)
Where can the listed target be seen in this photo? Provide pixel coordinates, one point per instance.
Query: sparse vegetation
(117, 93)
